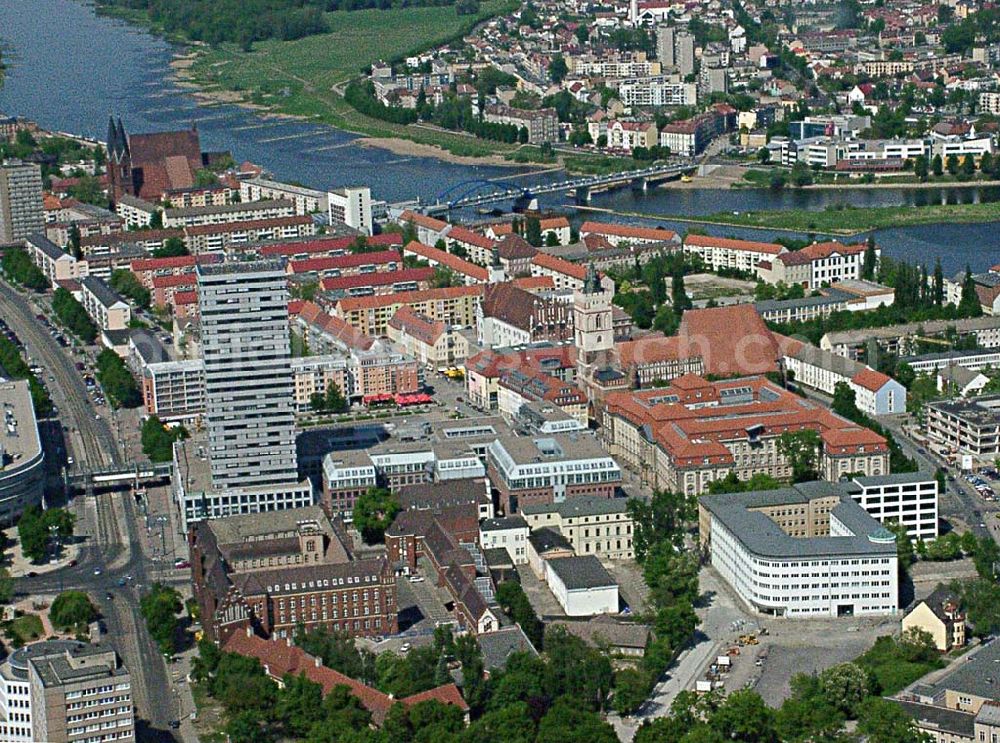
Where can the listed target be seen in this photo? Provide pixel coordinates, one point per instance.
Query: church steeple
(497, 274)
(591, 283)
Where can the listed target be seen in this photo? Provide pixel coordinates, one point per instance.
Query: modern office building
(803, 551)
(910, 499)
(550, 469)
(21, 211)
(22, 460)
(79, 692)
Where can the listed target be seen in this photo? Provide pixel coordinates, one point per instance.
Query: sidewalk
(20, 566)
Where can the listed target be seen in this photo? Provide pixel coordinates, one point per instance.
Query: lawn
(24, 629)
(833, 219)
(298, 77)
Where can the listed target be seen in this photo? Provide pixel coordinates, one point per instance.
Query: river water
(69, 69)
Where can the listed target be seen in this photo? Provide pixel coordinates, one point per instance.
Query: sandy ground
(409, 148)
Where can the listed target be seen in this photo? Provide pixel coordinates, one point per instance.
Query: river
(69, 69)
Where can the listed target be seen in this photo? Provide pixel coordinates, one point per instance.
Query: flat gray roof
(580, 505)
(762, 536)
(22, 444)
(578, 573)
(245, 206)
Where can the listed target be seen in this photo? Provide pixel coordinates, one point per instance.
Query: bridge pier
(640, 184)
(582, 194)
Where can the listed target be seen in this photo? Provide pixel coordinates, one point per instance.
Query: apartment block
(306, 200)
(21, 212)
(241, 212)
(351, 206)
(966, 426)
(104, 305)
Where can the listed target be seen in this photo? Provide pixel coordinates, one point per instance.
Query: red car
(181, 564)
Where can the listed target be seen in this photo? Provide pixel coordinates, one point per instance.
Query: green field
(300, 77)
(851, 220)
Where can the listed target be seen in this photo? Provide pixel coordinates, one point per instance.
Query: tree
(968, 166)
(566, 721)
(938, 287)
(6, 586)
(509, 724)
(883, 721)
(764, 155)
(743, 716)
(936, 165)
(158, 440)
(870, 265)
(533, 231)
(125, 283)
(117, 381)
(172, 248)
(920, 168)
(969, 305)
(72, 315)
(679, 299)
(36, 527)
(801, 175)
(335, 400)
(159, 608)
(801, 449)
(905, 551)
(72, 610)
(74, 242)
(511, 598)
(663, 517)
(374, 511)
(952, 164)
(300, 705)
(845, 686)
(986, 164)
(558, 69)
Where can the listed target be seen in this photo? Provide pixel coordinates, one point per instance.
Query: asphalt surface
(111, 552)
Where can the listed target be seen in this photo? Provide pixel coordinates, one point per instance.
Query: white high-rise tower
(249, 394)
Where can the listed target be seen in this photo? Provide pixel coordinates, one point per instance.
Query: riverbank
(410, 148)
(848, 220)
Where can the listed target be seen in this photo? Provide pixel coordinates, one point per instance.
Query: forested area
(246, 21)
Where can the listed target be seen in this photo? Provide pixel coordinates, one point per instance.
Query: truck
(703, 687)
(723, 662)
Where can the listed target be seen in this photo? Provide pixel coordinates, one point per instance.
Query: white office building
(582, 586)
(803, 551)
(910, 499)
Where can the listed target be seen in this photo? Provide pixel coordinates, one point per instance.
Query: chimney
(318, 662)
(249, 631)
(288, 641)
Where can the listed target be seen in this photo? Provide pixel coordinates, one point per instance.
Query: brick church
(149, 165)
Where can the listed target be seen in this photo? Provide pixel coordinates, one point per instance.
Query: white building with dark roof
(802, 551)
(582, 586)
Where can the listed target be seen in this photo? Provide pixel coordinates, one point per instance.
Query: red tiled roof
(530, 283)
(185, 298)
(462, 235)
(312, 313)
(367, 303)
(870, 379)
(327, 244)
(280, 658)
(167, 160)
(419, 326)
(627, 231)
(709, 241)
(423, 220)
(731, 340)
(513, 247)
(453, 262)
(818, 251)
(178, 261)
(380, 278)
(352, 260)
(180, 279)
(558, 265)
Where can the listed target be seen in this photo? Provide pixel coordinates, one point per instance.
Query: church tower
(496, 272)
(119, 160)
(593, 330)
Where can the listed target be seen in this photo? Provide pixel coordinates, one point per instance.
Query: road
(960, 499)
(109, 524)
